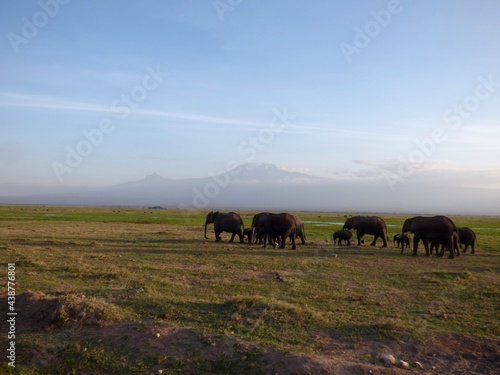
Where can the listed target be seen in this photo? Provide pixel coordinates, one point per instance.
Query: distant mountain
(262, 186)
(266, 172)
(254, 172)
(246, 185)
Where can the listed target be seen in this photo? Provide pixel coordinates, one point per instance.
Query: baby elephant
(400, 238)
(342, 235)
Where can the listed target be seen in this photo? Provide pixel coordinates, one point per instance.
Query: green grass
(142, 265)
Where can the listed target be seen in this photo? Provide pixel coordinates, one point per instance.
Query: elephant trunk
(206, 230)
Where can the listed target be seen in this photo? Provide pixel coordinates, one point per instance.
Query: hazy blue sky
(101, 92)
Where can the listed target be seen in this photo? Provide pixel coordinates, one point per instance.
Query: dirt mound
(39, 311)
(471, 355)
(34, 310)
(183, 350)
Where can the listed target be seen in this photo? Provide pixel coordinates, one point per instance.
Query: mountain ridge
(263, 186)
(255, 172)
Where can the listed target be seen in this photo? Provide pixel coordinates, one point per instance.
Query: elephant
(281, 225)
(342, 235)
(467, 237)
(225, 222)
(300, 232)
(300, 229)
(248, 232)
(254, 235)
(368, 225)
(435, 245)
(438, 229)
(399, 238)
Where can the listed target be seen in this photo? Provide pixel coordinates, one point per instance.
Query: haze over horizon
(402, 95)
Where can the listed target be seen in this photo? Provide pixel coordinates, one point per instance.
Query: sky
(97, 93)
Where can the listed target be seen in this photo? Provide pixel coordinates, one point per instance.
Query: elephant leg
(452, 250)
(454, 247)
(359, 234)
(427, 248)
(294, 246)
(302, 239)
(374, 241)
(277, 241)
(251, 236)
(441, 253)
(232, 237)
(217, 231)
(416, 239)
(281, 242)
(466, 247)
(473, 251)
(270, 240)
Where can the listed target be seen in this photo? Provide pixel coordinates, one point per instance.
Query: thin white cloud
(198, 118)
(47, 102)
(15, 100)
(53, 103)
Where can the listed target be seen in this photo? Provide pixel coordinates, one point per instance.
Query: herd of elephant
(274, 228)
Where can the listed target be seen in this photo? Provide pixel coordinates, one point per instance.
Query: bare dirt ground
(78, 321)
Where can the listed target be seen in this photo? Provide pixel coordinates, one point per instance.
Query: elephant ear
(408, 224)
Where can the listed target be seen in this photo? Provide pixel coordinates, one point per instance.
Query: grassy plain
(117, 282)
